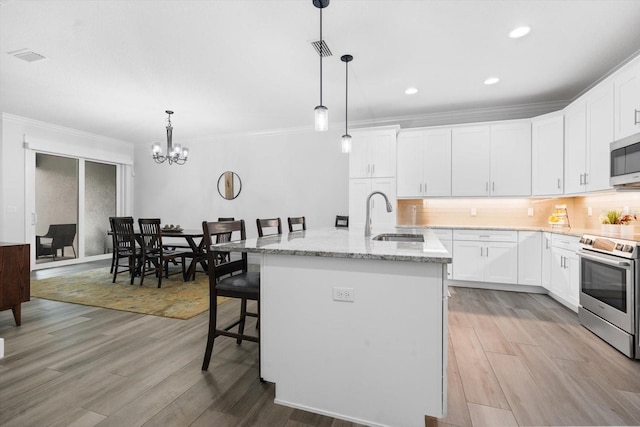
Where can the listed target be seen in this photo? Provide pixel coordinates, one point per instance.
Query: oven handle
(586, 255)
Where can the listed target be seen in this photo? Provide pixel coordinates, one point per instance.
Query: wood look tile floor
(514, 359)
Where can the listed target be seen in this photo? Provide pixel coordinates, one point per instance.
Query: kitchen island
(351, 327)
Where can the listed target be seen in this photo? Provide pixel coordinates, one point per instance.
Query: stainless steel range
(609, 294)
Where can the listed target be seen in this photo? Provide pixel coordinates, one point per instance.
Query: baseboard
(532, 289)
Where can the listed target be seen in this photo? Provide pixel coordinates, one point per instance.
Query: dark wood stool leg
(243, 317)
(213, 314)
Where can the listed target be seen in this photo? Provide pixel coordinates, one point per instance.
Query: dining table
(195, 243)
(197, 255)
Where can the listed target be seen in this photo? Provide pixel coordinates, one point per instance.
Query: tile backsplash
(514, 212)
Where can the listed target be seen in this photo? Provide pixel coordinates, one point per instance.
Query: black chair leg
(243, 317)
(132, 269)
(213, 314)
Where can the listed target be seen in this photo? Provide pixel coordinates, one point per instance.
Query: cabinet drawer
(566, 242)
(486, 235)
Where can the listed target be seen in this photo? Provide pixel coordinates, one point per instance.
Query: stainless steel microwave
(625, 163)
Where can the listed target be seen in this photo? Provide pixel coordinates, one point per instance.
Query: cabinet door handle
(421, 187)
(425, 187)
(493, 186)
(635, 117)
(486, 187)
(487, 252)
(585, 178)
(581, 179)
(481, 251)
(369, 171)
(558, 183)
(546, 243)
(373, 168)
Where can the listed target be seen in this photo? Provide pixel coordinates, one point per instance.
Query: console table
(14, 277)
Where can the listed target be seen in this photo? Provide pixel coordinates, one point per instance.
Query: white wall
(285, 174)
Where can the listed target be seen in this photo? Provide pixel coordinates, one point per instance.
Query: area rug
(175, 299)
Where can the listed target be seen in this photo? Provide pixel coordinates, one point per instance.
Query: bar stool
(269, 223)
(342, 221)
(297, 221)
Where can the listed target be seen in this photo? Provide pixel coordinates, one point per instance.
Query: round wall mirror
(229, 185)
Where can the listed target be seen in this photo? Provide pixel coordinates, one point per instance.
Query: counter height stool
(297, 221)
(228, 279)
(342, 221)
(269, 223)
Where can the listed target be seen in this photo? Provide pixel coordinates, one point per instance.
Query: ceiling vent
(27, 55)
(323, 50)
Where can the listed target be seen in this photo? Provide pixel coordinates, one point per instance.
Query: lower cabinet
(545, 279)
(445, 235)
(565, 265)
(529, 258)
(485, 256)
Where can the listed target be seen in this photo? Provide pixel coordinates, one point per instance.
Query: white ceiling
(235, 66)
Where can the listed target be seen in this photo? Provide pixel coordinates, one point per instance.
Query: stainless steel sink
(392, 237)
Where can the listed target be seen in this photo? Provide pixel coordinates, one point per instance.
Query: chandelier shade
(175, 153)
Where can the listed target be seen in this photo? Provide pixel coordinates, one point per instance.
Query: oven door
(607, 288)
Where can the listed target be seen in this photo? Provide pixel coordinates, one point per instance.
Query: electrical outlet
(343, 294)
(474, 212)
(530, 211)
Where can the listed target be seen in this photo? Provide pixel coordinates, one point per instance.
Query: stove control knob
(619, 247)
(627, 248)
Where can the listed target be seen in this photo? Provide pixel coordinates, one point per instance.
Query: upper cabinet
(627, 100)
(589, 124)
(491, 160)
(373, 153)
(424, 163)
(547, 155)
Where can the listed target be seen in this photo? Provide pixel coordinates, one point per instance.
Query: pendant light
(321, 112)
(175, 152)
(346, 138)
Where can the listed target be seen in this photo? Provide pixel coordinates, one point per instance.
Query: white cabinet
(485, 255)
(589, 123)
(529, 258)
(373, 153)
(575, 154)
(600, 125)
(545, 279)
(470, 157)
(627, 100)
(564, 270)
(359, 190)
(445, 235)
(424, 163)
(547, 155)
(491, 160)
(511, 159)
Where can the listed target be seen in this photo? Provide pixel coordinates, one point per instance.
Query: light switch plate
(474, 212)
(589, 211)
(530, 211)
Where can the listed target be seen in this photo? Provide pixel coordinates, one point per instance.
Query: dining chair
(155, 257)
(124, 246)
(224, 256)
(342, 221)
(269, 223)
(228, 279)
(297, 221)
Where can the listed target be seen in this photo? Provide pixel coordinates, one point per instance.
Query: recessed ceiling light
(491, 81)
(518, 32)
(411, 91)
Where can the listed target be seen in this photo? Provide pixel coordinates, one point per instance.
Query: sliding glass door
(74, 199)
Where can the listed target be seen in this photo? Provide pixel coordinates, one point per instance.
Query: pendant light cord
(321, 52)
(346, 98)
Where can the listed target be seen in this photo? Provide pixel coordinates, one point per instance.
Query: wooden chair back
(125, 238)
(268, 223)
(342, 221)
(150, 235)
(300, 220)
(212, 232)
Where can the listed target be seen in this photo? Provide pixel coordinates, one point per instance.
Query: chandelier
(175, 153)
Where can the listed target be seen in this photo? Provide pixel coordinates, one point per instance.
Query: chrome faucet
(367, 225)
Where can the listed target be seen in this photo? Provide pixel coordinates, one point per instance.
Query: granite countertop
(577, 232)
(342, 243)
